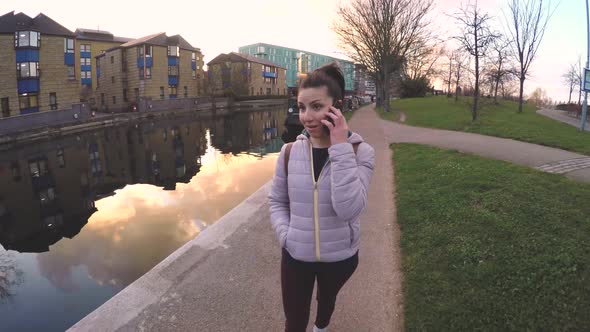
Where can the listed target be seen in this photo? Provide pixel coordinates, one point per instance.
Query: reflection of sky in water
(129, 234)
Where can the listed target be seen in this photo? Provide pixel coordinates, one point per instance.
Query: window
(124, 60)
(125, 95)
(38, 168)
(86, 74)
(161, 92)
(193, 56)
(84, 48)
(112, 79)
(252, 91)
(15, 169)
(136, 91)
(112, 59)
(68, 45)
(27, 39)
(46, 196)
(148, 73)
(27, 101)
(85, 62)
(5, 109)
(194, 74)
(27, 69)
(140, 52)
(185, 92)
(268, 91)
(71, 73)
(148, 51)
(102, 98)
(172, 91)
(173, 51)
(61, 161)
(198, 67)
(114, 100)
(53, 100)
(173, 70)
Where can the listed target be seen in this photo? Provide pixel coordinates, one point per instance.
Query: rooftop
(10, 23)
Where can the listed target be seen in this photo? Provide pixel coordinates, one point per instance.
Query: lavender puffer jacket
(320, 222)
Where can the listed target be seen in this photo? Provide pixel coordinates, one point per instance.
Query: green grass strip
(491, 246)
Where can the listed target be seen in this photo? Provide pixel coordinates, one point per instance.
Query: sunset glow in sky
(222, 26)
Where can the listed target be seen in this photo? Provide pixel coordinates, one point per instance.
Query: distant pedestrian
(318, 192)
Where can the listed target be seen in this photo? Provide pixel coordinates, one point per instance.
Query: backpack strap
(355, 147)
(287, 153)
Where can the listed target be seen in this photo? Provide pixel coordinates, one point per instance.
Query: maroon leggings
(297, 282)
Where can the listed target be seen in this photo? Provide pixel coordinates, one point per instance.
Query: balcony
(28, 85)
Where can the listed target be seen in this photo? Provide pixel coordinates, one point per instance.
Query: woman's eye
(317, 107)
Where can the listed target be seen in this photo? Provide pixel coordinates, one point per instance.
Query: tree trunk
(378, 91)
(496, 89)
(476, 96)
(521, 92)
(386, 90)
(569, 101)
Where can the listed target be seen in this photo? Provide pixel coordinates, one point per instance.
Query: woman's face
(314, 103)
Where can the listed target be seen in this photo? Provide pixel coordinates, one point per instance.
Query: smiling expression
(313, 105)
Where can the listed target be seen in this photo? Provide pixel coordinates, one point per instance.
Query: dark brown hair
(330, 76)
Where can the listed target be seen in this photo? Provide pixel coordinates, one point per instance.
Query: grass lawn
(490, 246)
(495, 120)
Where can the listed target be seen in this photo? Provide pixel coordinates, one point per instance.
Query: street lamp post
(585, 106)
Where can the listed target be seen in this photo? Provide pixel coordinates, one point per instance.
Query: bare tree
(10, 275)
(422, 58)
(501, 67)
(447, 76)
(379, 33)
(527, 25)
(461, 64)
(570, 78)
(579, 79)
(475, 38)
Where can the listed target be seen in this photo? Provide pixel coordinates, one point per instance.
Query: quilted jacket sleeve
(280, 212)
(350, 178)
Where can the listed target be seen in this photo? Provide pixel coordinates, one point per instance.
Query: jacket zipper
(316, 212)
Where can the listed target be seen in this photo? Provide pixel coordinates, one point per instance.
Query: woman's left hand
(338, 130)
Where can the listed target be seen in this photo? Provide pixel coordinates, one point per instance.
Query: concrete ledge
(154, 287)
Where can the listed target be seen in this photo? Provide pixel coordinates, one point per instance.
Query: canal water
(83, 216)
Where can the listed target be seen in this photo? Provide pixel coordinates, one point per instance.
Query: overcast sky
(221, 26)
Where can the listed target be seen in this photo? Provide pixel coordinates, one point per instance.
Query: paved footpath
(563, 117)
(573, 165)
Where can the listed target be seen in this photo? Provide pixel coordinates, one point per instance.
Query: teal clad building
(298, 62)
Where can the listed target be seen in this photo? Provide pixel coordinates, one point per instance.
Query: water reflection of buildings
(48, 190)
(253, 132)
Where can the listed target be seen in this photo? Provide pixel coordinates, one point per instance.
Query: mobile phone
(338, 105)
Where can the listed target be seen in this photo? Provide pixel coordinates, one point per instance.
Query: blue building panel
(29, 110)
(269, 74)
(86, 67)
(69, 59)
(194, 65)
(85, 55)
(27, 55)
(28, 86)
(173, 80)
(172, 61)
(149, 62)
(97, 71)
(86, 81)
(139, 62)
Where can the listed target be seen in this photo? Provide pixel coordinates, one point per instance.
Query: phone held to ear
(338, 105)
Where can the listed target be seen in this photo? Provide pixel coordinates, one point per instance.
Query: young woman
(318, 192)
